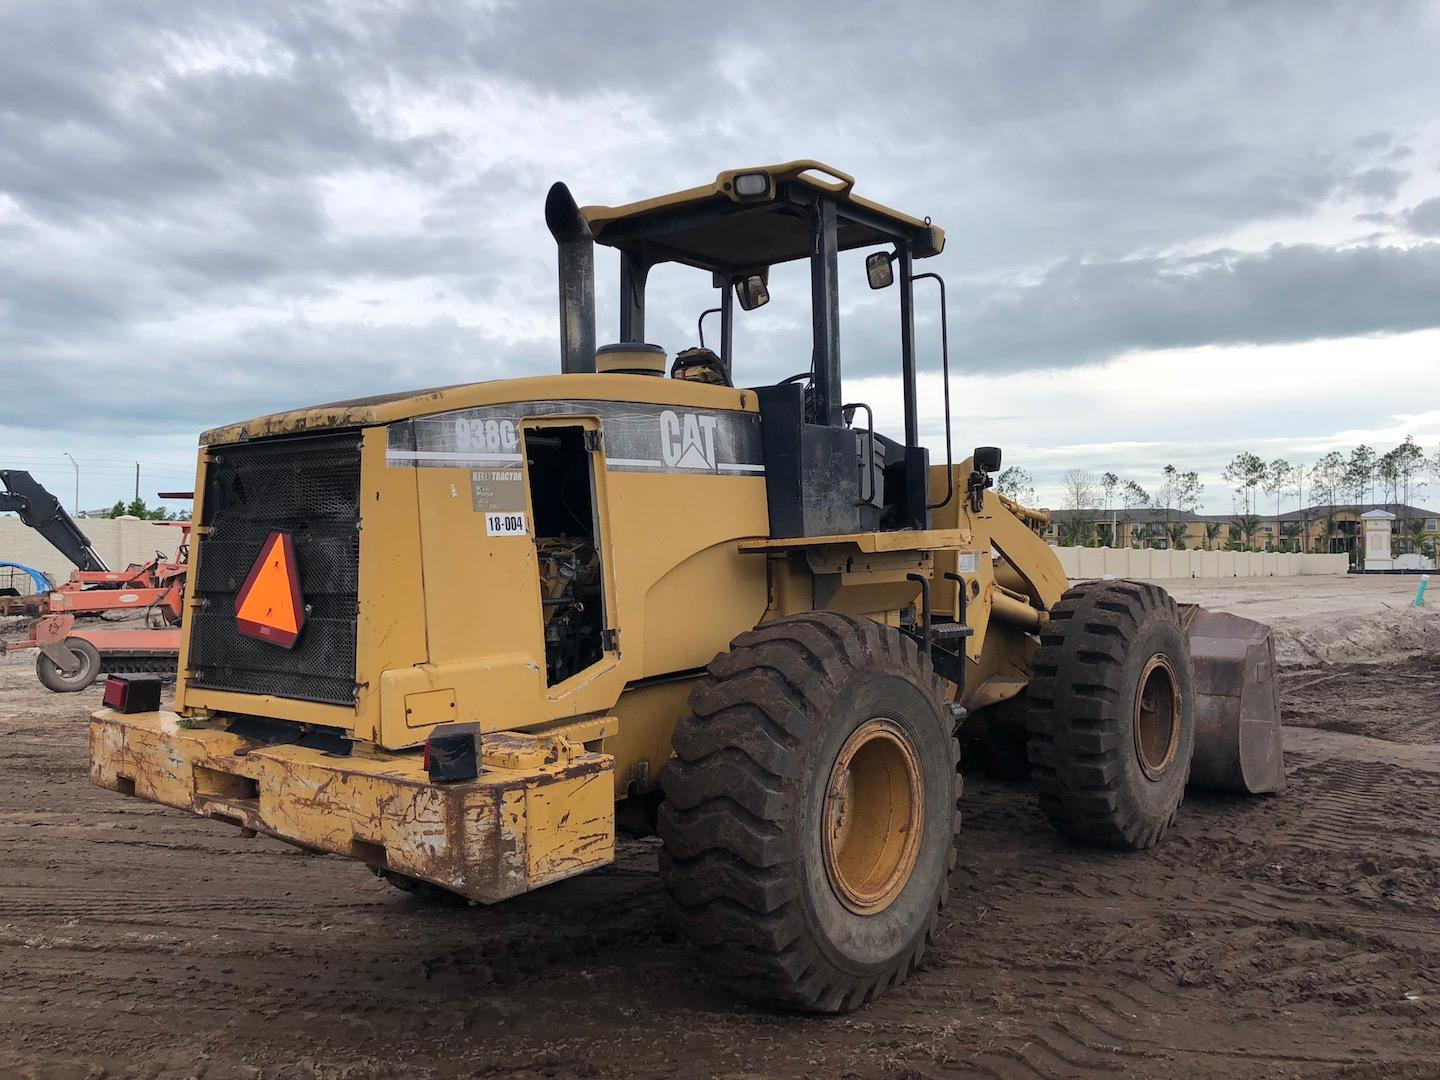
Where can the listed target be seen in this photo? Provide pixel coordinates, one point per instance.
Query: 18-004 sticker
(505, 524)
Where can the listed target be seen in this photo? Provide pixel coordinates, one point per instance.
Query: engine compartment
(566, 537)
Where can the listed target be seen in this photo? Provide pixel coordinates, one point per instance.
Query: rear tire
(810, 812)
(87, 658)
(1112, 714)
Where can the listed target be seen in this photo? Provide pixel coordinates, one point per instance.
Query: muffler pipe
(576, 249)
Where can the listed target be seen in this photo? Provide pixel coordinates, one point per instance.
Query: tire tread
(726, 863)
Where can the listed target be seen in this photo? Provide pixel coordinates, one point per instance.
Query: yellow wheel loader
(464, 634)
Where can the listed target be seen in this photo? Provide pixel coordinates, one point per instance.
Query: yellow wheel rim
(1157, 717)
(874, 816)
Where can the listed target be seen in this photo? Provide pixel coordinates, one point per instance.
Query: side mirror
(987, 459)
(879, 270)
(751, 292)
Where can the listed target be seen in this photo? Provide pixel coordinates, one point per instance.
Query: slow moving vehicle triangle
(268, 606)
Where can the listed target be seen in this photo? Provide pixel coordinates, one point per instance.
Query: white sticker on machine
(505, 524)
(969, 562)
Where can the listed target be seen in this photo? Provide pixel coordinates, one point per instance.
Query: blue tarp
(42, 583)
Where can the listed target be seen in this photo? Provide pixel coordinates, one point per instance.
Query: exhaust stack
(577, 279)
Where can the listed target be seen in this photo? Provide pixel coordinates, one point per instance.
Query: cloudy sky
(1175, 231)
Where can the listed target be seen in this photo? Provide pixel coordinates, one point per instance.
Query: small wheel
(810, 812)
(84, 672)
(421, 890)
(1112, 714)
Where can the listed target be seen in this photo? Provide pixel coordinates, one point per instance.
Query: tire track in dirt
(1272, 937)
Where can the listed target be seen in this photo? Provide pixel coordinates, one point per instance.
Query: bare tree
(1108, 483)
(1134, 497)
(1188, 492)
(1079, 497)
(1297, 485)
(1079, 490)
(1359, 475)
(1276, 480)
(1409, 464)
(1245, 473)
(1165, 496)
(1327, 476)
(1387, 471)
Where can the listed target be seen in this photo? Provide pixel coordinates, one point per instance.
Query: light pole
(77, 483)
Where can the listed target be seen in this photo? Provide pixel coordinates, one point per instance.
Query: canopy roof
(716, 228)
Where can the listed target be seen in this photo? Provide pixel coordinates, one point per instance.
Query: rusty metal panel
(513, 829)
(569, 826)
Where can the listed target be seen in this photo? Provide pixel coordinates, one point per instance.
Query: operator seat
(700, 365)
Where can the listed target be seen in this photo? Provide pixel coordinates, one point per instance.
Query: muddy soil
(1296, 935)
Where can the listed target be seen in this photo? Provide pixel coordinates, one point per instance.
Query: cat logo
(687, 441)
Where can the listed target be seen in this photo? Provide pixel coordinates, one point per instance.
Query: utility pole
(137, 481)
(77, 483)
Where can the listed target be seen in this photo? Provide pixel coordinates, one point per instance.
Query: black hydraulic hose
(700, 322)
(945, 368)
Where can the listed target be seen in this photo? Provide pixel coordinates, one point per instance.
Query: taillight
(452, 752)
(132, 693)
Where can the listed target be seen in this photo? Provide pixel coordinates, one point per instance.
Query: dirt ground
(1296, 935)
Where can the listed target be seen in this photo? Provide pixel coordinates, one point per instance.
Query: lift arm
(42, 511)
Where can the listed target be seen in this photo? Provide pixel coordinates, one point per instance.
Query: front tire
(810, 812)
(82, 675)
(1112, 714)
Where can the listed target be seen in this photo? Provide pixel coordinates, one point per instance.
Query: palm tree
(1417, 535)
(1212, 530)
(1291, 531)
(1245, 525)
(1177, 536)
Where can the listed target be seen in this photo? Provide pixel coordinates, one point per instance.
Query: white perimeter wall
(1157, 565)
(120, 541)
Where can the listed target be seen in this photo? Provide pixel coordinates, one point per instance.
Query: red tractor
(75, 646)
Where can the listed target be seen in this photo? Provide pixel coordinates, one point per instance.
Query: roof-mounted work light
(752, 185)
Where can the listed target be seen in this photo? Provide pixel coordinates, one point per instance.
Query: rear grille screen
(310, 488)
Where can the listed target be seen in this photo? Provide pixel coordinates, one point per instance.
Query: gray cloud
(248, 204)
(1085, 312)
(1424, 218)
(1380, 182)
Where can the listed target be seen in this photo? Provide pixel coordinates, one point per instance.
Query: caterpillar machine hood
(464, 634)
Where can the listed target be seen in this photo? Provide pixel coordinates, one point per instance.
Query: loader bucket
(1237, 704)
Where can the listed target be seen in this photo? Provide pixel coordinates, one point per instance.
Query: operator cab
(828, 472)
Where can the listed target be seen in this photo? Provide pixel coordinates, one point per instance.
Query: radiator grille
(309, 487)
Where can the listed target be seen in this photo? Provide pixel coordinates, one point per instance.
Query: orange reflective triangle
(268, 605)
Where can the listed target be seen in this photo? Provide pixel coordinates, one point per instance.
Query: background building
(1318, 529)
